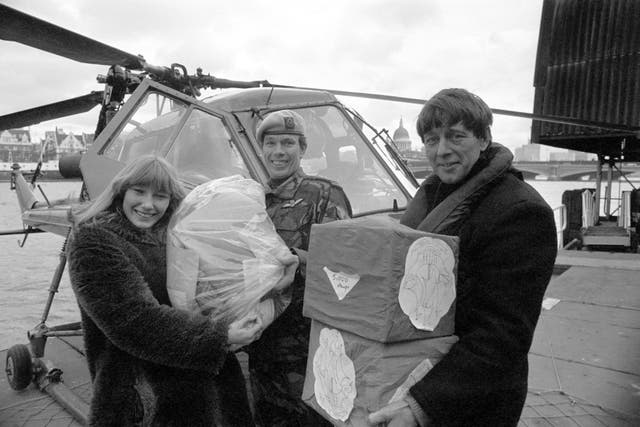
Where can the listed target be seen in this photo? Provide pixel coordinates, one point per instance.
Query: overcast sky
(410, 48)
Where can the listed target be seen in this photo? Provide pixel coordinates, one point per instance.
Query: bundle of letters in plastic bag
(381, 297)
(223, 252)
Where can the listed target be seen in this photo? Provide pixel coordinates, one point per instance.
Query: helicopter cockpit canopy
(216, 137)
(336, 150)
(194, 141)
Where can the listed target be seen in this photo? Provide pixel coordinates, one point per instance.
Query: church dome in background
(401, 138)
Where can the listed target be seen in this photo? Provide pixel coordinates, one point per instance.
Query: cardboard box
(381, 280)
(348, 377)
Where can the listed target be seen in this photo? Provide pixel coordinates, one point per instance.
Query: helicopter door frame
(262, 111)
(233, 125)
(405, 181)
(104, 168)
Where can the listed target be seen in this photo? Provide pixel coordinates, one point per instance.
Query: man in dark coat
(507, 252)
(294, 201)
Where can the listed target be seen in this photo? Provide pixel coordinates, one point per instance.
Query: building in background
(57, 143)
(402, 139)
(541, 153)
(16, 146)
(528, 153)
(588, 68)
(571, 156)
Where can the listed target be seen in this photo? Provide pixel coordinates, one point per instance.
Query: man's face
(452, 151)
(282, 155)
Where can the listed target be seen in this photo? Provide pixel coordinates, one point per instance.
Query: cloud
(410, 48)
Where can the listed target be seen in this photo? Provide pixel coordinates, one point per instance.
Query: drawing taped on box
(428, 288)
(335, 375)
(342, 282)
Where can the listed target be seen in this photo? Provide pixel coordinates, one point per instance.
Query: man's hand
(289, 274)
(302, 255)
(396, 414)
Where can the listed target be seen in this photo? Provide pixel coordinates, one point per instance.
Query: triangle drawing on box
(342, 282)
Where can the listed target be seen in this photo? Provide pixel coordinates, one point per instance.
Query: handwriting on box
(342, 282)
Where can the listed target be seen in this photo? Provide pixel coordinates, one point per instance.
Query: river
(27, 271)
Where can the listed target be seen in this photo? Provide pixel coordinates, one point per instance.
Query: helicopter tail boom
(54, 219)
(26, 197)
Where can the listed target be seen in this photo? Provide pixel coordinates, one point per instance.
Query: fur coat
(150, 364)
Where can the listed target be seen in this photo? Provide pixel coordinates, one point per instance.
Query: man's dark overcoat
(507, 252)
(145, 357)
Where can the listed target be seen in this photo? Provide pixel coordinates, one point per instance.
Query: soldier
(295, 201)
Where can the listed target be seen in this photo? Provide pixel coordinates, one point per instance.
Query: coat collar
(117, 223)
(428, 214)
(288, 188)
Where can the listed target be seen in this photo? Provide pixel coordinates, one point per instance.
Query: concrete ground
(584, 361)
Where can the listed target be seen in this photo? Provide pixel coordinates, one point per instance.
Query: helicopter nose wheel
(19, 368)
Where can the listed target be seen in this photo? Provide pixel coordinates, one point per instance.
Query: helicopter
(145, 108)
(204, 139)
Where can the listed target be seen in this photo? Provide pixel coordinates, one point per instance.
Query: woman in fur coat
(150, 364)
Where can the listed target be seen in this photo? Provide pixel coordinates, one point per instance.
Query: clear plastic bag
(223, 252)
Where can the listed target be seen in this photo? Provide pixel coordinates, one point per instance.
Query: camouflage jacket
(302, 201)
(294, 206)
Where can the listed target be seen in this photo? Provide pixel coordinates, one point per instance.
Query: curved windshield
(148, 129)
(203, 150)
(336, 150)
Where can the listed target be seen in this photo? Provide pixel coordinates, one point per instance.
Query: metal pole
(596, 210)
(607, 195)
(55, 281)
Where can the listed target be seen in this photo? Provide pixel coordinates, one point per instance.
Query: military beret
(283, 122)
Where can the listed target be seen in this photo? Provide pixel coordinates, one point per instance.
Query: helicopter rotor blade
(52, 111)
(26, 29)
(539, 117)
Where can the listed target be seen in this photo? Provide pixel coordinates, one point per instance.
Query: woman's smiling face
(144, 206)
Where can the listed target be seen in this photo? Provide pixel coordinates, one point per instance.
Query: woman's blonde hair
(148, 170)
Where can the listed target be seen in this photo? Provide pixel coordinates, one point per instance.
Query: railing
(589, 212)
(560, 217)
(624, 217)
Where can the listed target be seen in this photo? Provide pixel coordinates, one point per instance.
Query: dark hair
(302, 140)
(450, 106)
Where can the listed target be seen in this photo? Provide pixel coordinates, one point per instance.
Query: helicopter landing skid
(21, 369)
(26, 364)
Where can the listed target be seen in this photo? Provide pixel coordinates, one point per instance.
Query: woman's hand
(289, 274)
(244, 331)
(266, 311)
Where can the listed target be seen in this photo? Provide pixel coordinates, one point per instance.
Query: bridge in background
(553, 171)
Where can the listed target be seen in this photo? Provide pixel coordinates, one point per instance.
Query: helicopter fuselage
(215, 137)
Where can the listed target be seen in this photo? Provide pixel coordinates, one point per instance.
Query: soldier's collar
(288, 188)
